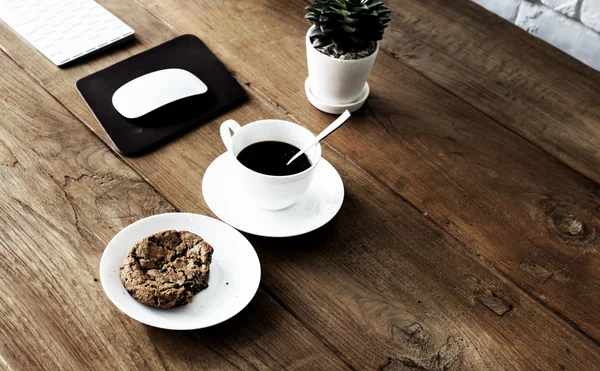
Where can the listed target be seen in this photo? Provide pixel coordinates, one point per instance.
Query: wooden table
(469, 237)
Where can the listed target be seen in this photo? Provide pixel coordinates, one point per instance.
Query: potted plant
(341, 48)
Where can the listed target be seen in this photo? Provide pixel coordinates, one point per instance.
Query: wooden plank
(525, 84)
(380, 285)
(498, 194)
(63, 195)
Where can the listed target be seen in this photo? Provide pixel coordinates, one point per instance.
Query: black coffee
(271, 157)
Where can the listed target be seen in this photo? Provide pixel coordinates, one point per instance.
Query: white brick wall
(590, 13)
(566, 7)
(573, 26)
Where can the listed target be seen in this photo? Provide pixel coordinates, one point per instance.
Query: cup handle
(226, 135)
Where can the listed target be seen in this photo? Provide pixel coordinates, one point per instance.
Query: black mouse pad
(136, 136)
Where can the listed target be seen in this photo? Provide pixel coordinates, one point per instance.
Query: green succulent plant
(347, 25)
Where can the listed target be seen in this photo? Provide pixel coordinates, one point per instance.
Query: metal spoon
(328, 130)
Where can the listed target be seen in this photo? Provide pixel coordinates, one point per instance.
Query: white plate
(317, 206)
(233, 280)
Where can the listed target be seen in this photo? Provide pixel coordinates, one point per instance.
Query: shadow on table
(303, 243)
(259, 320)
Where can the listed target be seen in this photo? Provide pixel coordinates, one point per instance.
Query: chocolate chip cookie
(167, 269)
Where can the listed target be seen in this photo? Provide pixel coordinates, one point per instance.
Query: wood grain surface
(460, 245)
(63, 196)
(539, 92)
(499, 194)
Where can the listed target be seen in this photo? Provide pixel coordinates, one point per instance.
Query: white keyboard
(64, 30)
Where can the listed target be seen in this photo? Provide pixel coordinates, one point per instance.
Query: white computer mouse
(154, 90)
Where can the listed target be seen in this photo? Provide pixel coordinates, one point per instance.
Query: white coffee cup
(268, 191)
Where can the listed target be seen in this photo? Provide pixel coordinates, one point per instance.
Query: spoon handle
(328, 130)
(332, 127)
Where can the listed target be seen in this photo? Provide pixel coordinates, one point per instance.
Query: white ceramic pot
(334, 80)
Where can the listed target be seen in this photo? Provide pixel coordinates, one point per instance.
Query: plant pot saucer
(336, 108)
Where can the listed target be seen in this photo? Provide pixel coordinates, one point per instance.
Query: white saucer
(316, 207)
(233, 280)
(333, 108)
